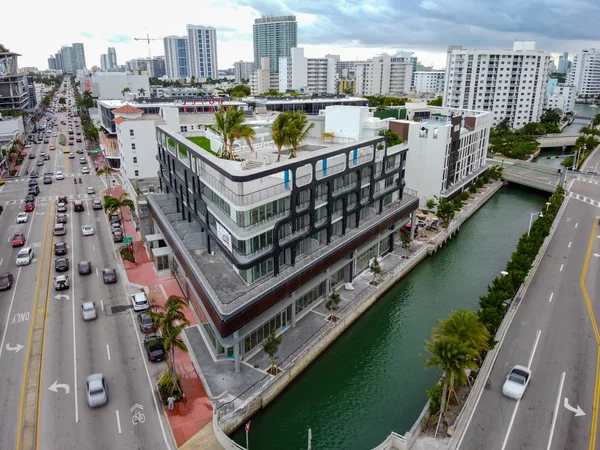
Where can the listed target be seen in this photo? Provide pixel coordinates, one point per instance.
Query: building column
(413, 224)
(236, 350)
(294, 311)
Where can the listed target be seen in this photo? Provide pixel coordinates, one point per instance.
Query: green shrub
(12, 172)
(435, 398)
(166, 387)
(457, 203)
(479, 183)
(464, 195)
(126, 254)
(472, 189)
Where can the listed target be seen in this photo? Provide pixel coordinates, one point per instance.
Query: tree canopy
(380, 101)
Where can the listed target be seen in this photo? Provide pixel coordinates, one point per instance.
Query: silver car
(88, 311)
(22, 217)
(95, 389)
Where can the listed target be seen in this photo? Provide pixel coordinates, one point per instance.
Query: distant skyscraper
(273, 38)
(51, 62)
(176, 56)
(112, 58)
(158, 66)
(563, 63)
(242, 70)
(104, 62)
(78, 53)
(202, 52)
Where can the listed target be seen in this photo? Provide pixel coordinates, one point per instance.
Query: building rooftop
(128, 109)
(151, 102)
(275, 100)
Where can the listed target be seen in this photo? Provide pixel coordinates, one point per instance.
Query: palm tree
(124, 91)
(467, 328)
(452, 356)
(142, 92)
(108, 171)
(113, 204)
(278, 132)
(170, 321)
(297, 130)
(229, 125)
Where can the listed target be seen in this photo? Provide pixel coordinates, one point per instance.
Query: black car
(118, 236)
(60, 248)
(85, 267)
(33, 174)
(109, 276)
(6, 281)
(47, 180)
(145, 322)
(32, 182)
(34, 190)
(77, 206)
(29, 198)
(155, 347)
(61, 218)
(62, 199)
(31, 156)
(61, 264)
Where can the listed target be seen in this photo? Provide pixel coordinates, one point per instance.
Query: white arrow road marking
(578, 411)
(597, 255)
(61, 296)
(40, 213)
(136, 406)
(34, 260)
(15, 349)
(56, 386)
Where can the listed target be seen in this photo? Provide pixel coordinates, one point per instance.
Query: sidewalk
(193, 415)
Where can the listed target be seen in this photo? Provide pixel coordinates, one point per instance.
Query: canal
(371, 381)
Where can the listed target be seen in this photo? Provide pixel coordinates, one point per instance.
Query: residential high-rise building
(14, 93)
(242, 70)
(347, 69)
(58, 60)
(384, 75)
(564, 65)
(78, 53)
(585, 72)
(176, 56)
(104, 61)
(202, 52)
(429, 81)
(511, 83)
(51, 62)
(112, 58)
(307, 75)
(158, 66)
(273, 37)
(562, 97)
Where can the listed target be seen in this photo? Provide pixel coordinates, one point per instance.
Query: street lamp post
(539, 214)
(547, 205)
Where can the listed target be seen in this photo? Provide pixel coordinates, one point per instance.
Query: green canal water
(371, 381)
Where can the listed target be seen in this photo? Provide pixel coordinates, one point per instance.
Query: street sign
(128, 240)
(96, 150)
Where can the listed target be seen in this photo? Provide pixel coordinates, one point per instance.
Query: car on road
(82, 160)
(85, 267)
(31, 156)
(33, 190)
(61, 207)
(61, 264)
(6, 281)
(90, 190)
(118, 236)
(516, 382)
(78, 206)
(52, 147)
(155, 347)
(33, 174)
(59, 175)
(78, 139)
(88, 311)
(59, 229)
(71, 155)
(60, 248)
(97, 204)
(18, 239)
(109, 276)
(40, 162)
(46, 157)
(47, 180)
(28, 145)
(62, 199)
(22, 217)
(96, 391)
(29, 206)
(140, 302)
(61, 282)
(85, 170)
(25, 256)
(61, 218)
(145, 321)
(87, 230)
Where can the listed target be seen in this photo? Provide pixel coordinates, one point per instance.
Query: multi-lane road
(71, 349)
(555, 334)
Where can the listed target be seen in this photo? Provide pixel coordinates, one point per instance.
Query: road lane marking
(118, 422)
(75, 390)
(551, 295)
(588, 303)
(108, 351)
(556, 406)
(576, 224)
(569, 244)
(96, 271)
(102, 304)
(1, 261)
(514, 414)
(561, 267)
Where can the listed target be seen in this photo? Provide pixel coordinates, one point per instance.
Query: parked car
(6, 281)
(145, 321)
(88, 311)
(140, 301)
(85, 267)
(109, 276)
(25, 256)
(155, 347)
(118, 236)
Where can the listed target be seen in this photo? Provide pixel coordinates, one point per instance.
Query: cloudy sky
(354, 29)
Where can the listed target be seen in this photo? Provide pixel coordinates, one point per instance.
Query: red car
(29, 207)
(18, 239)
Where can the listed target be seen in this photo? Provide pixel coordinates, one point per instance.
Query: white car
(25, 256)
(90, 190)
(85, 170)
(87, 230)
(140, 302)
(88, 311)
(22, 217)
(59, 175)
(96, 391)
(516, 382)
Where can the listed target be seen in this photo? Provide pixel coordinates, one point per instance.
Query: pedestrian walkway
(195, 414)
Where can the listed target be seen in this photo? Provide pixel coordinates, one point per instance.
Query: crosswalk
(83, 197)
(584, 199)
(25, 179)
(588, 180)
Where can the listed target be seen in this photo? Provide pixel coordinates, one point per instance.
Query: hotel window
(136, 173)
(135, 159)
(131, 133)
(132, 146)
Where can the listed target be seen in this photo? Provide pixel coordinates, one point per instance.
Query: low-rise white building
(11, 128)
(307, 75)
(262, 80)
(562, 97)
(431, 81)
(447, 148)
(110, 85)
(384, 75)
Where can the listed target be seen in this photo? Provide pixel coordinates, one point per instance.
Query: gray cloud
(434, 24)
